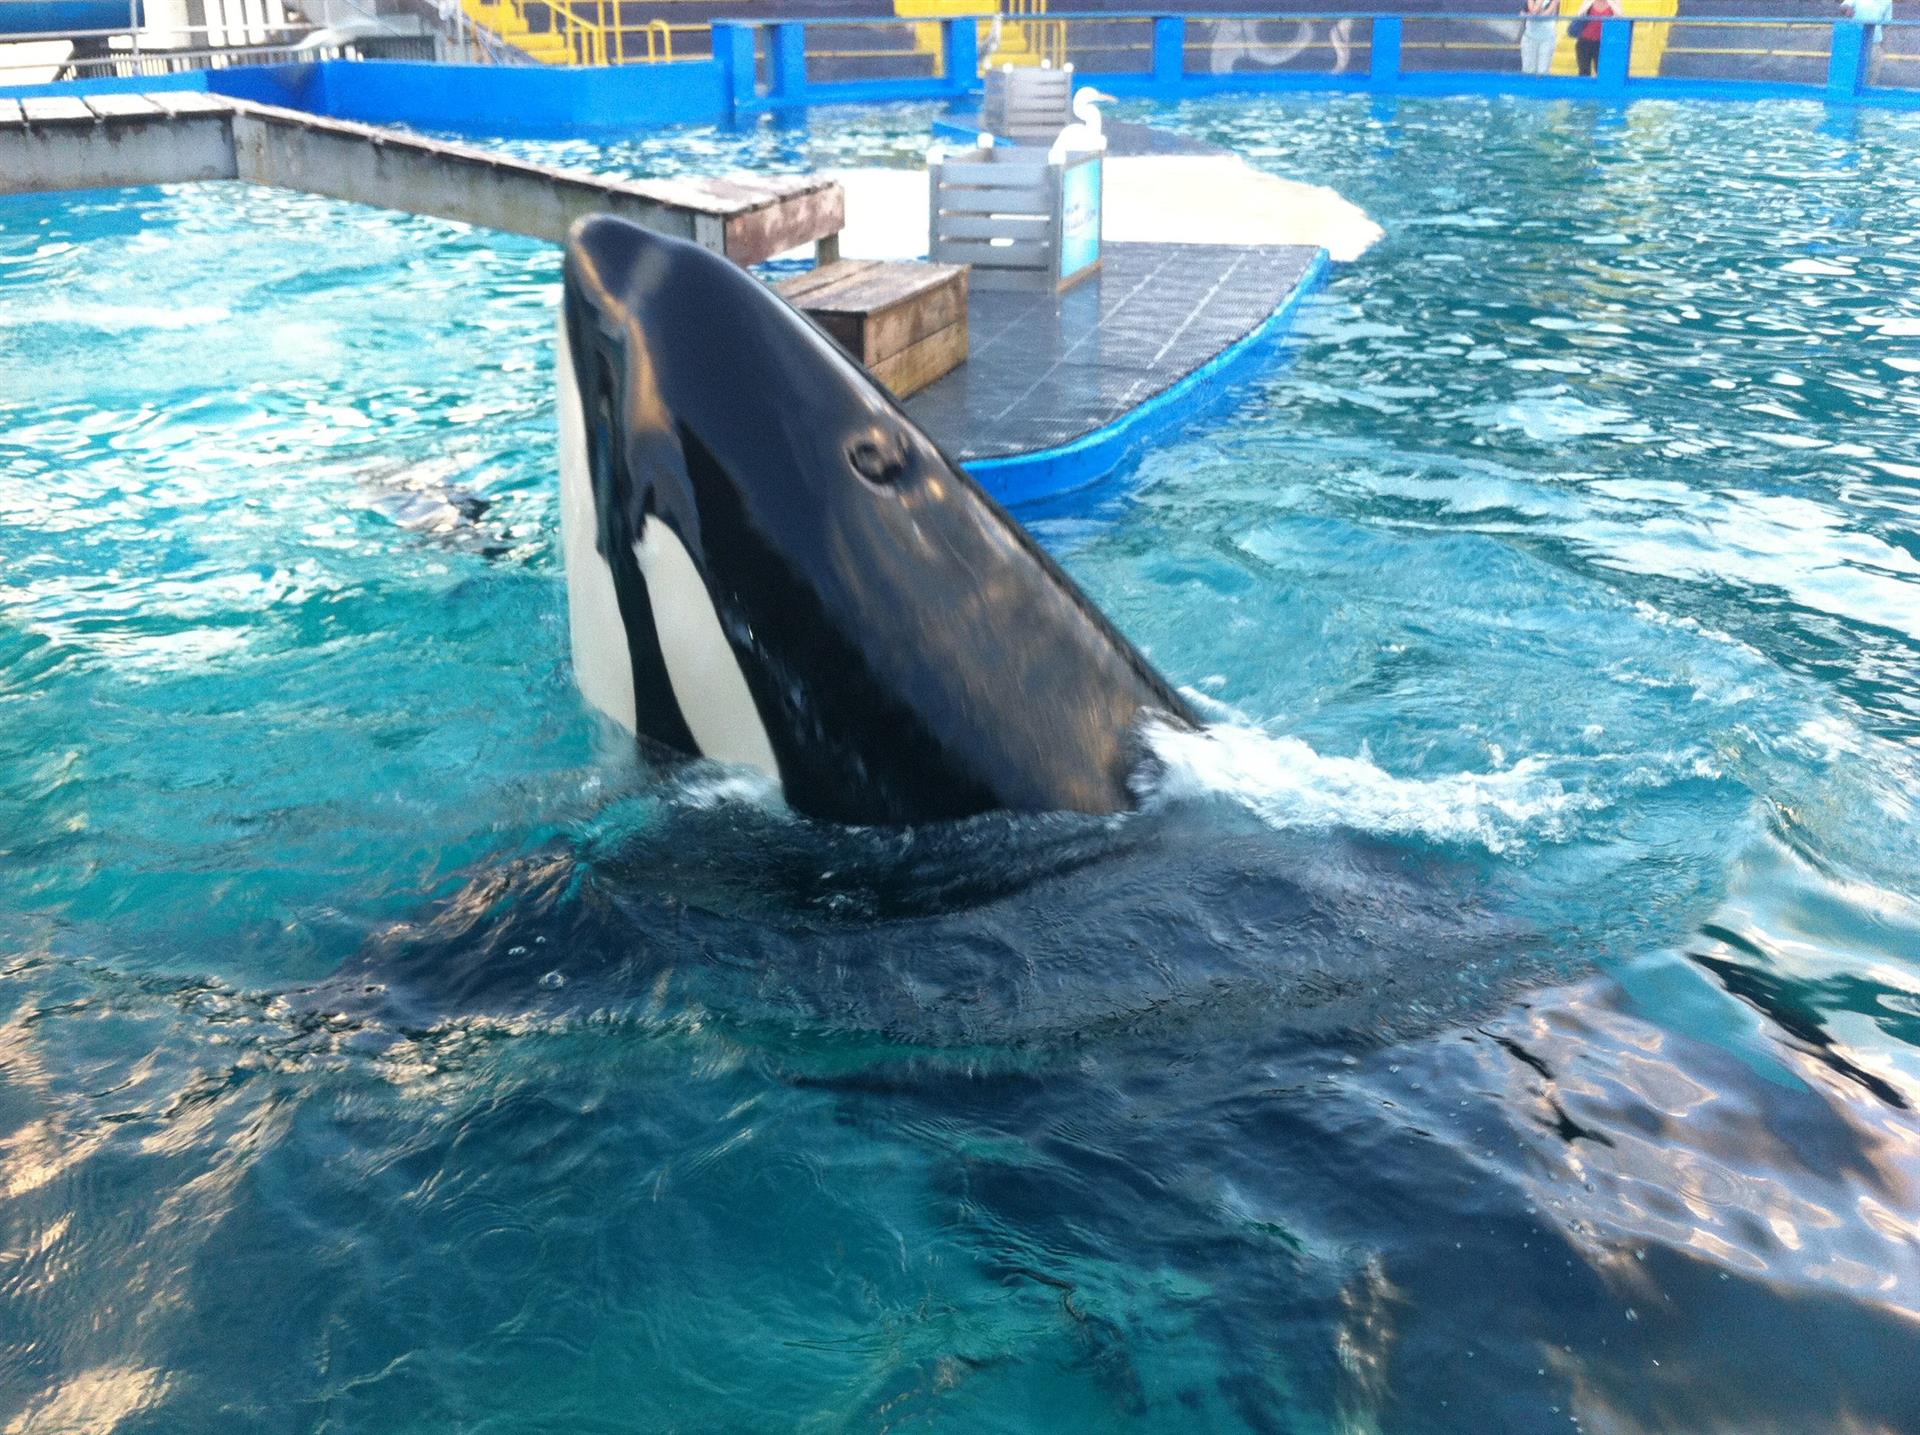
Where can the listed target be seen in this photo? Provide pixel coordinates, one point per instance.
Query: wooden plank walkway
(179, 136)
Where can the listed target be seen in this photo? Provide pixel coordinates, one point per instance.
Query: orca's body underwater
(769, 563)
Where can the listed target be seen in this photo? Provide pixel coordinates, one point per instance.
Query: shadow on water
(997, 933)
(1172, 1119)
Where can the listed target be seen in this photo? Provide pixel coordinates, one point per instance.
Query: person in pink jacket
(1586, 30)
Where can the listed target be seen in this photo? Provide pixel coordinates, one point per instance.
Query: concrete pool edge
(1053, 472)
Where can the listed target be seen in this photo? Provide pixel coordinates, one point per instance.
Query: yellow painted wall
(926, 38)
(1649, 41)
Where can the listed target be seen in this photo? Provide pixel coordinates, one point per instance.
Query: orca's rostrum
(768, 563)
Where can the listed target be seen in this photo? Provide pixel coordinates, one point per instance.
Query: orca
(769, 564)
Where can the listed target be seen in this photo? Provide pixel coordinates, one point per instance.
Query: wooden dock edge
(171, 137)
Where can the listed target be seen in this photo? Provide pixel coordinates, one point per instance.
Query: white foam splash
(1287, 784)
(710, 784)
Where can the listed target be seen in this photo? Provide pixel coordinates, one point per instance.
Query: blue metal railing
(761, 67)
(1845, 71)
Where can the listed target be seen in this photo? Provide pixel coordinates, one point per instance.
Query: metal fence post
(1384, 71)
(1169, 49)
(733, 47)
(1847, 60)
(789, 57)
(962, 51)
(1616, 54)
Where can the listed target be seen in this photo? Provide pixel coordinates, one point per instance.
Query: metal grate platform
(1042, 376)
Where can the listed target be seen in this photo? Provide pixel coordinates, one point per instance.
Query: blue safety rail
(1173, 56)
(768, 67)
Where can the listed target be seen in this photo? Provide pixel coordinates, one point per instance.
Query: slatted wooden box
(1028, 105)
(907, 322)
(1021, 221)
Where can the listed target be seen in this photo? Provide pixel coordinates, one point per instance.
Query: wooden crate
(906, 322)
(1019, 220)
(1028, 105)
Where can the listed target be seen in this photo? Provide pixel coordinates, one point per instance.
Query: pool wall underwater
(735, 85)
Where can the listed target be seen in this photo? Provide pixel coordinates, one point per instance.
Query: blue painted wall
(58, 16)
(521, 101)
(296, 87)
(111, 85)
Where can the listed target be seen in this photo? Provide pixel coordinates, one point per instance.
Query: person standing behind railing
(1586, 30)
(1539, 33)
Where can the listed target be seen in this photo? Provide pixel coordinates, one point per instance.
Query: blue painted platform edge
(1051, 472)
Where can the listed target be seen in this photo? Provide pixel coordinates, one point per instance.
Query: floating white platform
(1176, 198)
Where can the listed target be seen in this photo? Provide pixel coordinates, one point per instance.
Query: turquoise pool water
(1507, 1019)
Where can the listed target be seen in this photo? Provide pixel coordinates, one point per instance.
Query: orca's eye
(878, 457)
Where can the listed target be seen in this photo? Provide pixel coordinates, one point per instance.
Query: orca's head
(768, 563)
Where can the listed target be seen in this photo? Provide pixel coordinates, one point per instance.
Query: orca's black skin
(912, 653)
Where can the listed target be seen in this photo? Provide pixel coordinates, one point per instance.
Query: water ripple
(1506, 1016)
